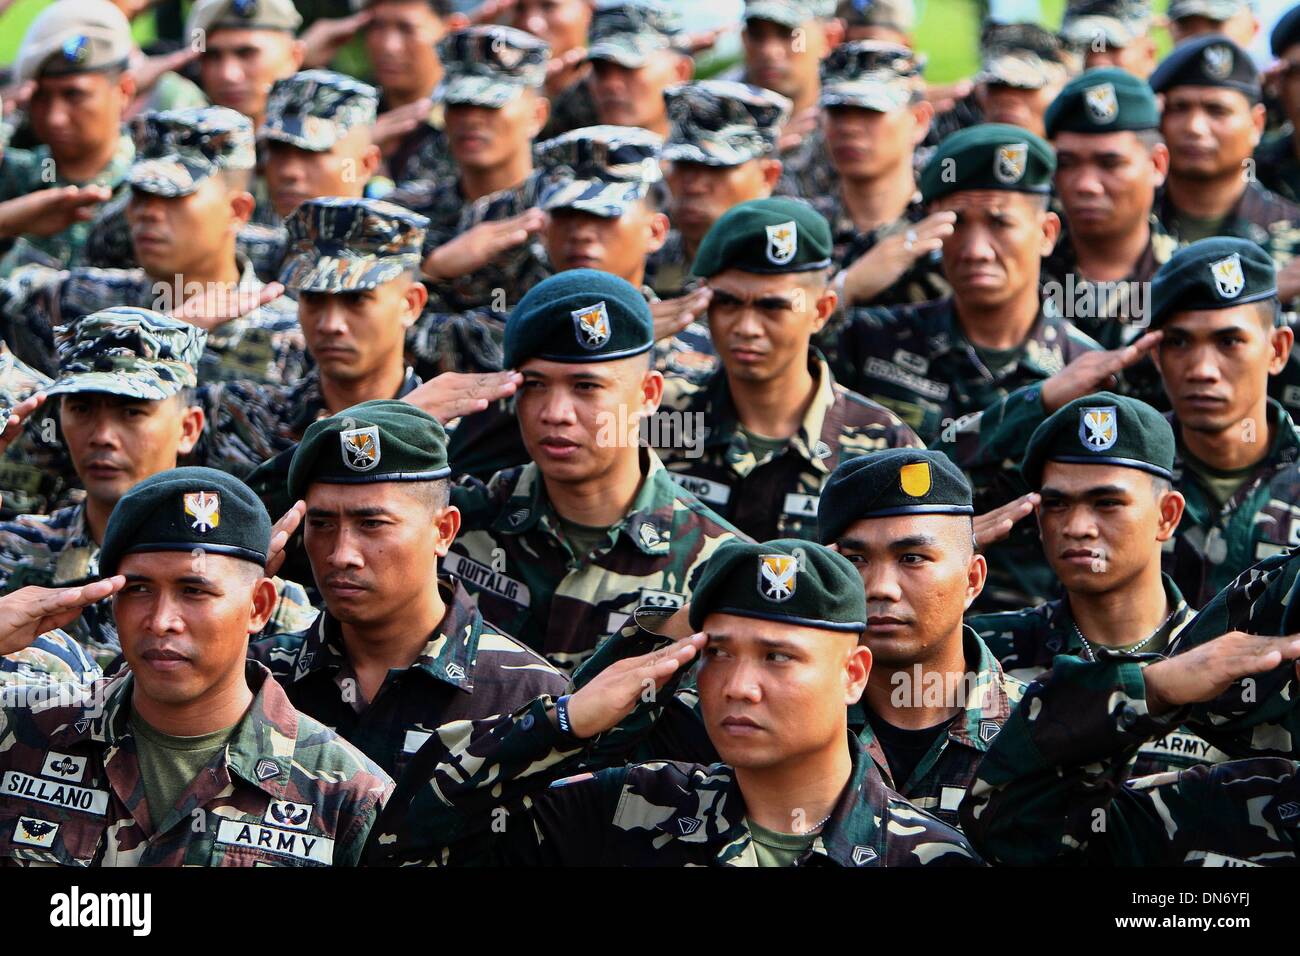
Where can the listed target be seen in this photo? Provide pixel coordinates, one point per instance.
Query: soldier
(127, 411)
(784, 43)
(1278, 159)
(938, 363)
(885, 21)
(189, 197)
(779, 627)
(1191, 19)
(563, 26)
(1023, 68)
(76, 52)
(493, 109)
(193, 755)
(247, 46)
(777, 424)
(34, 472)
(560, 551)
(885, 247)
(1212, 121)
(1115, 33)
(936, 696)
(1110, 161)
(1059, 767)
(634, 55)
(1102, 466)
(720, 151)
(399, 650)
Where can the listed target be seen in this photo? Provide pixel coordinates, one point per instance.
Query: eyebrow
(196, 579)
(1096, 492)
(768, 300)
(767, 643)
(371, 511)
(913, 541)
(577, 376)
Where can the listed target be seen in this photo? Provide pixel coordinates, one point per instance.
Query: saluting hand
(1204, 672)
(1093, 371)
(29, 612)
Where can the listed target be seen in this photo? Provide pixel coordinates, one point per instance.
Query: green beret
(1102, 429)
(1216, 273)
(989, 156)
(892, 481)
(384, 440)
(1285, 33)
(787, 580)
(1104, 100)
(1209, 60)
(766, 236)
(187, 509)
(581, 315)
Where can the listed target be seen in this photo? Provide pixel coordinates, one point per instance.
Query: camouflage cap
(175, 150)
(789, 13)
(788, 580)
(385, 440)
(889, 482)
(187, 509)
(1104, 100)
(74, 36)
(1210, 9)
(722, 123)
(136, 353)
(870, 75)
(627, 33)
(601, 170)
(897, 15)
(347, 245)
(579, 316)
(1102, 429)
(490, 66)
(1217, 273)
(1115, 23)
(207, 16)
(1208, 60)
(314, 109)
(989, 156)
(1024, 56)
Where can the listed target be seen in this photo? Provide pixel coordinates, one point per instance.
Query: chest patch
(302, 846)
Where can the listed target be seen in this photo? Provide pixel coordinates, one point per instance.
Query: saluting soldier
(1115, 33)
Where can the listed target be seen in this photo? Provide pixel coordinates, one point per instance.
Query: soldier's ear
(977, 573)
(658, 226)
(1259, 119)
(1160, 161)
(1051, 232)
(684, 69)
(370, 160)
(264, 599)
(922, 115)
(192, 421)
(242, 205)
(1282, 339)
(771, 169)
(541, 113)
(1172, 504)
(415, 296)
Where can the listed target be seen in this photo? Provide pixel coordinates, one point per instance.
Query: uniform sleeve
(844, 340)
(998, 434)
(28, 313)
(456, 342)
(1053, 786)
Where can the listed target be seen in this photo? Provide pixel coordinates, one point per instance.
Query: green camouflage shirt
(513, 557)
(266, 345)
(467, 671)
(23, 172)
(1055, 788)
(285, 791)
(699, 436)
(1259, 215)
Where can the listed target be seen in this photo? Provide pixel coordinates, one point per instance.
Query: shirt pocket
(37, 835)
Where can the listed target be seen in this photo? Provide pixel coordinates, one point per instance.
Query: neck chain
(820, 823)
(1090, 652)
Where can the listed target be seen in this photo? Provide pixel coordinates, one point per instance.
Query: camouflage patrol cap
(788, 580)
(581, 315)
(1102, 429)
(314, 109)
(1208, 60)
(627, 33)
(989, 156)
(722, 123)
(375, 441)
(602, 170)
(175, 150)
(869, 75)
(1216, 273)
(1286, 32)
(789, 13)
(897, 15)
(1115, 23)
(1210, 9)
(765, 236)
(127, 351)
(1024, 56)
(347, 245)
(490, 66)
(74, 36)
(889, 482)
(1104, 100)
(187, 509)
(207, 16)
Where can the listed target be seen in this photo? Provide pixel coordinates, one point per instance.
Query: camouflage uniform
(35, 474)
(940, 779)
(1026, 642)
(54, 657)
(1061, 764)
(513, 557)
(1277, 167)
(775, 498)
(466, 672)
(74, 797)
(572, 108)
(1258, 215)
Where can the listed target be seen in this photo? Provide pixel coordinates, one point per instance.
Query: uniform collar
(307, 404)
(647, 525)
(448, 655)
(1046, 337)
(1284, 444)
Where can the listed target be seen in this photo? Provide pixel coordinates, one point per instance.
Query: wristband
(562, 714)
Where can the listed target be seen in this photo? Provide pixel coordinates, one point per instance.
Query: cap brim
(125, 384)
(478, 91)
(689, 153)
(879, 97)
(628, 56)
(332, 274)
(166, 176)
(774, 13)
(1083, 31)
(267, 135)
